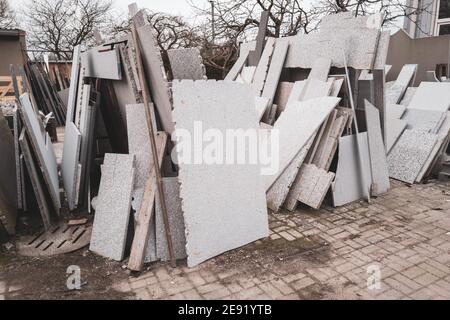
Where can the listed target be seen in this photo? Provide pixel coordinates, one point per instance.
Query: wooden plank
(145, 216)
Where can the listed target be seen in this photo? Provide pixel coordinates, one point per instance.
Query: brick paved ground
(327, 254)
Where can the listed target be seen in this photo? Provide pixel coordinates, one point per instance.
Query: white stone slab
(187, 63)
(259, 79)
(69, 166)
(382, 52)
(261, 105)
(409, 155)
(317, 89)
(425, 120)
(432, 96)
(43, 147)
(409, 94)
(394, 130)
(219, 211)
(315, 184)
(297, 92)
(171, 188)
(280, 190)
(348, 185)
(395, 111)
(159, 87)
(276, 66)
(337, 86)
(296, 126)
(237, 67)
(247, 74)
(109, 232)
(283, 94)
(443, 133)
(377, 151)
(102, 64)
(320, 69)
(395, 93)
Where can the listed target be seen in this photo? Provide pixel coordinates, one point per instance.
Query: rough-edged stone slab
(102, 64)
(43, 148)
(109, 232)
(154, 67)
(382, 52)
(296, 126)
(229, 216)
(315, 184)
(280, 193)
(377, 151)
(260, 76)
(395, 93)
(176, 222)
(8, 178)
(409, 155)
(426, 120)
(187, 64)
(348, 185)
(432, 96)
(276, 66)
(69, 166)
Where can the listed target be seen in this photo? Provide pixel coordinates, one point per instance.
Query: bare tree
(7, 17)
(57, 26)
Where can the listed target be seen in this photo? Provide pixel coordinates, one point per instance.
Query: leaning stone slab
(109, 233)
(187, 64)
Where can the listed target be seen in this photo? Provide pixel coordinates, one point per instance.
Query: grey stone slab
(276, 66)
(291, 176)
(102, 64)
(237, 67)
(70, 164)
(218, 223)
(337, 86)
(187, 64)
(315, 184)
(42, 146)
(296, 126)
(426, 120)
(320, 69)
(8, 178)
(432, 96)
(394, 130)
(349, 184)
(395, 93)
(247, 74)
(36, 181)
(360, 47)
(154, 67)
(261, 105)
(297, 91)
(176, 222)
(75, 75)
(109, 232)
(283, 94)
(316, 89)
(395, 111)
(255, 55)
(409, 94)
(442, 134)
(20, 187)
(260, 76)
(377, 151)
(347, 20)
(382, 52)
(409, 154)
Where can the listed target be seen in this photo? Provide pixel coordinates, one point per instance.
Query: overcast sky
(176, 7)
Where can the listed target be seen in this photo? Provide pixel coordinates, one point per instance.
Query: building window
(443, 21)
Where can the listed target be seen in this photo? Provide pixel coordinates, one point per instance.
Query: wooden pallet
(7, 88)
